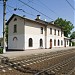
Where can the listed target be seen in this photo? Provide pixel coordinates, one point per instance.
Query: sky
(51, 8)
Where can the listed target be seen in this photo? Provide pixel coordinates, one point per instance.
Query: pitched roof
(37, 21)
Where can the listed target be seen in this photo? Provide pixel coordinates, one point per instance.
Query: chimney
(52, 22)
(38, 17)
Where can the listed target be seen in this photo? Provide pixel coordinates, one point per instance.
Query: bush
(1, 50)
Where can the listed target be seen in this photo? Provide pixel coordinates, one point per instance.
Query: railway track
(54, 69)
(36, 64)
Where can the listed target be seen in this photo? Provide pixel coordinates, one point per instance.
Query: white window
(50, 30)
(41, 30)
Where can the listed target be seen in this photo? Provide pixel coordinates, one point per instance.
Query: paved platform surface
(13, 54)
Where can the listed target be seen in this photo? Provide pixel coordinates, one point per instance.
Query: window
(58, 42)
(61, 42)
(54, 42)
(30, 42)
(41, 30)
(41, 43)
(67, 42)
(50, 30)
(54, 31)
(0, 43)
(15, 19)
(61, 33)
(15, 28)
(58, 32)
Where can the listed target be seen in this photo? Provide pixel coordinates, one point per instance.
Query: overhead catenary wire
(20, 10)
(70, 4)
(35, 9)
(47, 7)
(27, 3)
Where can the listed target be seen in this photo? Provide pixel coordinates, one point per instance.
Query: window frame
(58, 42)
(54, 31)
(50, 30)
(41, 30)
(15, 28)
(41, 43)
(54, 42)
(30, 42)
(58, 33)
(0, 43)
(61, 42)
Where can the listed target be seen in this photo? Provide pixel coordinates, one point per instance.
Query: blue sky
(52, 8)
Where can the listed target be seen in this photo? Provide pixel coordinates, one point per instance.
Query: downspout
(24, 32)
(46, 37)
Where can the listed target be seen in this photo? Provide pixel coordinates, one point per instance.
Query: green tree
(67, 26)
(72, 35)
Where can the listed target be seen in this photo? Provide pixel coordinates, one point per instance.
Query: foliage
(67, 26)
(72, 35)
(1, 50)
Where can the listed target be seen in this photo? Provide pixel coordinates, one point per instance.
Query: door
(50, 43)
(15, 42)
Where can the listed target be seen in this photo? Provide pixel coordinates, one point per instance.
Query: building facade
(24, 33)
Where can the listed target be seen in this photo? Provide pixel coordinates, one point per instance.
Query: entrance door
(15, 42)
(50, 43)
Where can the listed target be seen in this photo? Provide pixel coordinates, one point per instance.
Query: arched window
(58, 42)
(61, 42)
(30, 42)
(41, 43)
(15, 38)
(54, 42)
(67, 42)
(15, 19)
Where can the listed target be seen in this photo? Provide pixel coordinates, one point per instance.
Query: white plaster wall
(54, 37)
(36, 41)
(33, 30)
(19, 44)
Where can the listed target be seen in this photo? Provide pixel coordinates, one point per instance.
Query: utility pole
(4, 26)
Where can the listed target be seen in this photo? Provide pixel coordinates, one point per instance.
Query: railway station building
(24, 33)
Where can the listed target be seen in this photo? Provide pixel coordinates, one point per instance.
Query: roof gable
(36, 21)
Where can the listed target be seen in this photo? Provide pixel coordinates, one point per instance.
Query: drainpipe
(46, 37)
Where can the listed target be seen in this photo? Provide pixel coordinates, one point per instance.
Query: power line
(27, 3)
(47, 7)
(20, 10)
(25, 12)
(35, 9)
(70, 4)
